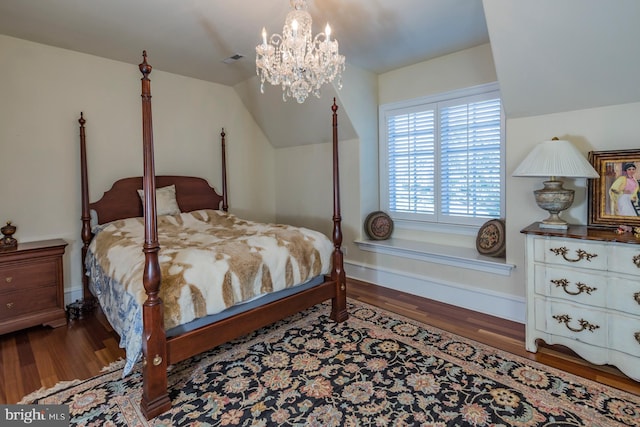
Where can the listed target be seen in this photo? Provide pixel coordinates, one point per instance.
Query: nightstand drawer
(13, 304)
(24, 276)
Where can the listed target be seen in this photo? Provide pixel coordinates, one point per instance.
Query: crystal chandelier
(298, 62)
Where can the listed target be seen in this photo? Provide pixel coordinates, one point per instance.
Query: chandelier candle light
(298, 62)
(555, 158)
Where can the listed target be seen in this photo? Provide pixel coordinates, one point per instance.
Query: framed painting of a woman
(614, 198)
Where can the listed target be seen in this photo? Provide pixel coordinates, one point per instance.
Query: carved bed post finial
(155, 397)
(339, 307)
(225, 205)
(145, 68)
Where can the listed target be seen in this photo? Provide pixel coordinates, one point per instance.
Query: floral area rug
(377, 369)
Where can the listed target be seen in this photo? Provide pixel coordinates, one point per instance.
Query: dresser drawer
(625, 259)
(623, 295)
(571, 321)
(573, 285)
(24, 276)
(14, 304)
(573, 253)
(624, 334)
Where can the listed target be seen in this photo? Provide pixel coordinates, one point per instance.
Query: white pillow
(166, 203)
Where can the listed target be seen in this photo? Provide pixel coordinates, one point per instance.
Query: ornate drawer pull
(636, 260)
(581, 287)
(584, 325)
(9, 279)
(636, 296)
(581, 254)
(9, 305)
(637, 337)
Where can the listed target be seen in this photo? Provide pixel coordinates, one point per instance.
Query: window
(442, 158)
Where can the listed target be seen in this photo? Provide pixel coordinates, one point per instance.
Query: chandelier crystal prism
(295, 60)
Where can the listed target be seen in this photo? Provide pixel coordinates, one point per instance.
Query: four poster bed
(154, 258)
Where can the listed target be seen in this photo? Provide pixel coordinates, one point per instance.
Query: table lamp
(555, 158)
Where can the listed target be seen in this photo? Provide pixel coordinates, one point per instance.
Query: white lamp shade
(556, 158)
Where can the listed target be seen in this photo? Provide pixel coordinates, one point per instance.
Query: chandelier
(298, 62)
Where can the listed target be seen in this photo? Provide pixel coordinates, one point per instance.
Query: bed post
(225, 205)
(339, 303)
(86, 216)
(155, 398)
(81, 307)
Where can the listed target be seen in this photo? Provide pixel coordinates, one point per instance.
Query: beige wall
(598, 129)
(462, 69)
(303, 173)
(304, 198)
(43, 89)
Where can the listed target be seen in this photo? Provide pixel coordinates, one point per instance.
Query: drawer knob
(581, 287)
(584, 325)
(636, 296)
(9, 305)
(637, 337)
(9, 279)
(636, 260)
(580, 253)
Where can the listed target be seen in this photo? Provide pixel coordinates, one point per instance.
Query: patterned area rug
(377, 368)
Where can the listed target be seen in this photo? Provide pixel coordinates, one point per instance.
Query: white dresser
(583, 291)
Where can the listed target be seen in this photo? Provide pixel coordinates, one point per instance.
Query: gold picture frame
(610, 205)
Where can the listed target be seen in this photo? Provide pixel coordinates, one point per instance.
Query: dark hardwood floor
(41, 356)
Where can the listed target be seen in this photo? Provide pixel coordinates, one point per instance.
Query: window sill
(440, 254)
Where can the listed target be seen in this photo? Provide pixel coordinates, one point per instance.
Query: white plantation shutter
(470, 146)
(443, 161)
(412, 162)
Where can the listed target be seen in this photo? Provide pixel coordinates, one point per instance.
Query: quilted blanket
(210, 260)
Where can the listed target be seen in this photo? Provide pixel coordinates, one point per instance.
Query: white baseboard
(485, 301)
(490, 302)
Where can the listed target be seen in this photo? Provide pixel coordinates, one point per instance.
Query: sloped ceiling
(560, 55)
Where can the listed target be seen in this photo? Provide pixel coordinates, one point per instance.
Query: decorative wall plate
(378, 225)
(491, 238)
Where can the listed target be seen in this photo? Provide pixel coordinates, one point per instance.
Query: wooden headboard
(122, 200)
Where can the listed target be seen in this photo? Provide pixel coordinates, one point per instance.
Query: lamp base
(556, 226)
(554, 199)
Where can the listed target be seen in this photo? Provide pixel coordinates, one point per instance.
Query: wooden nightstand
(31, 285)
